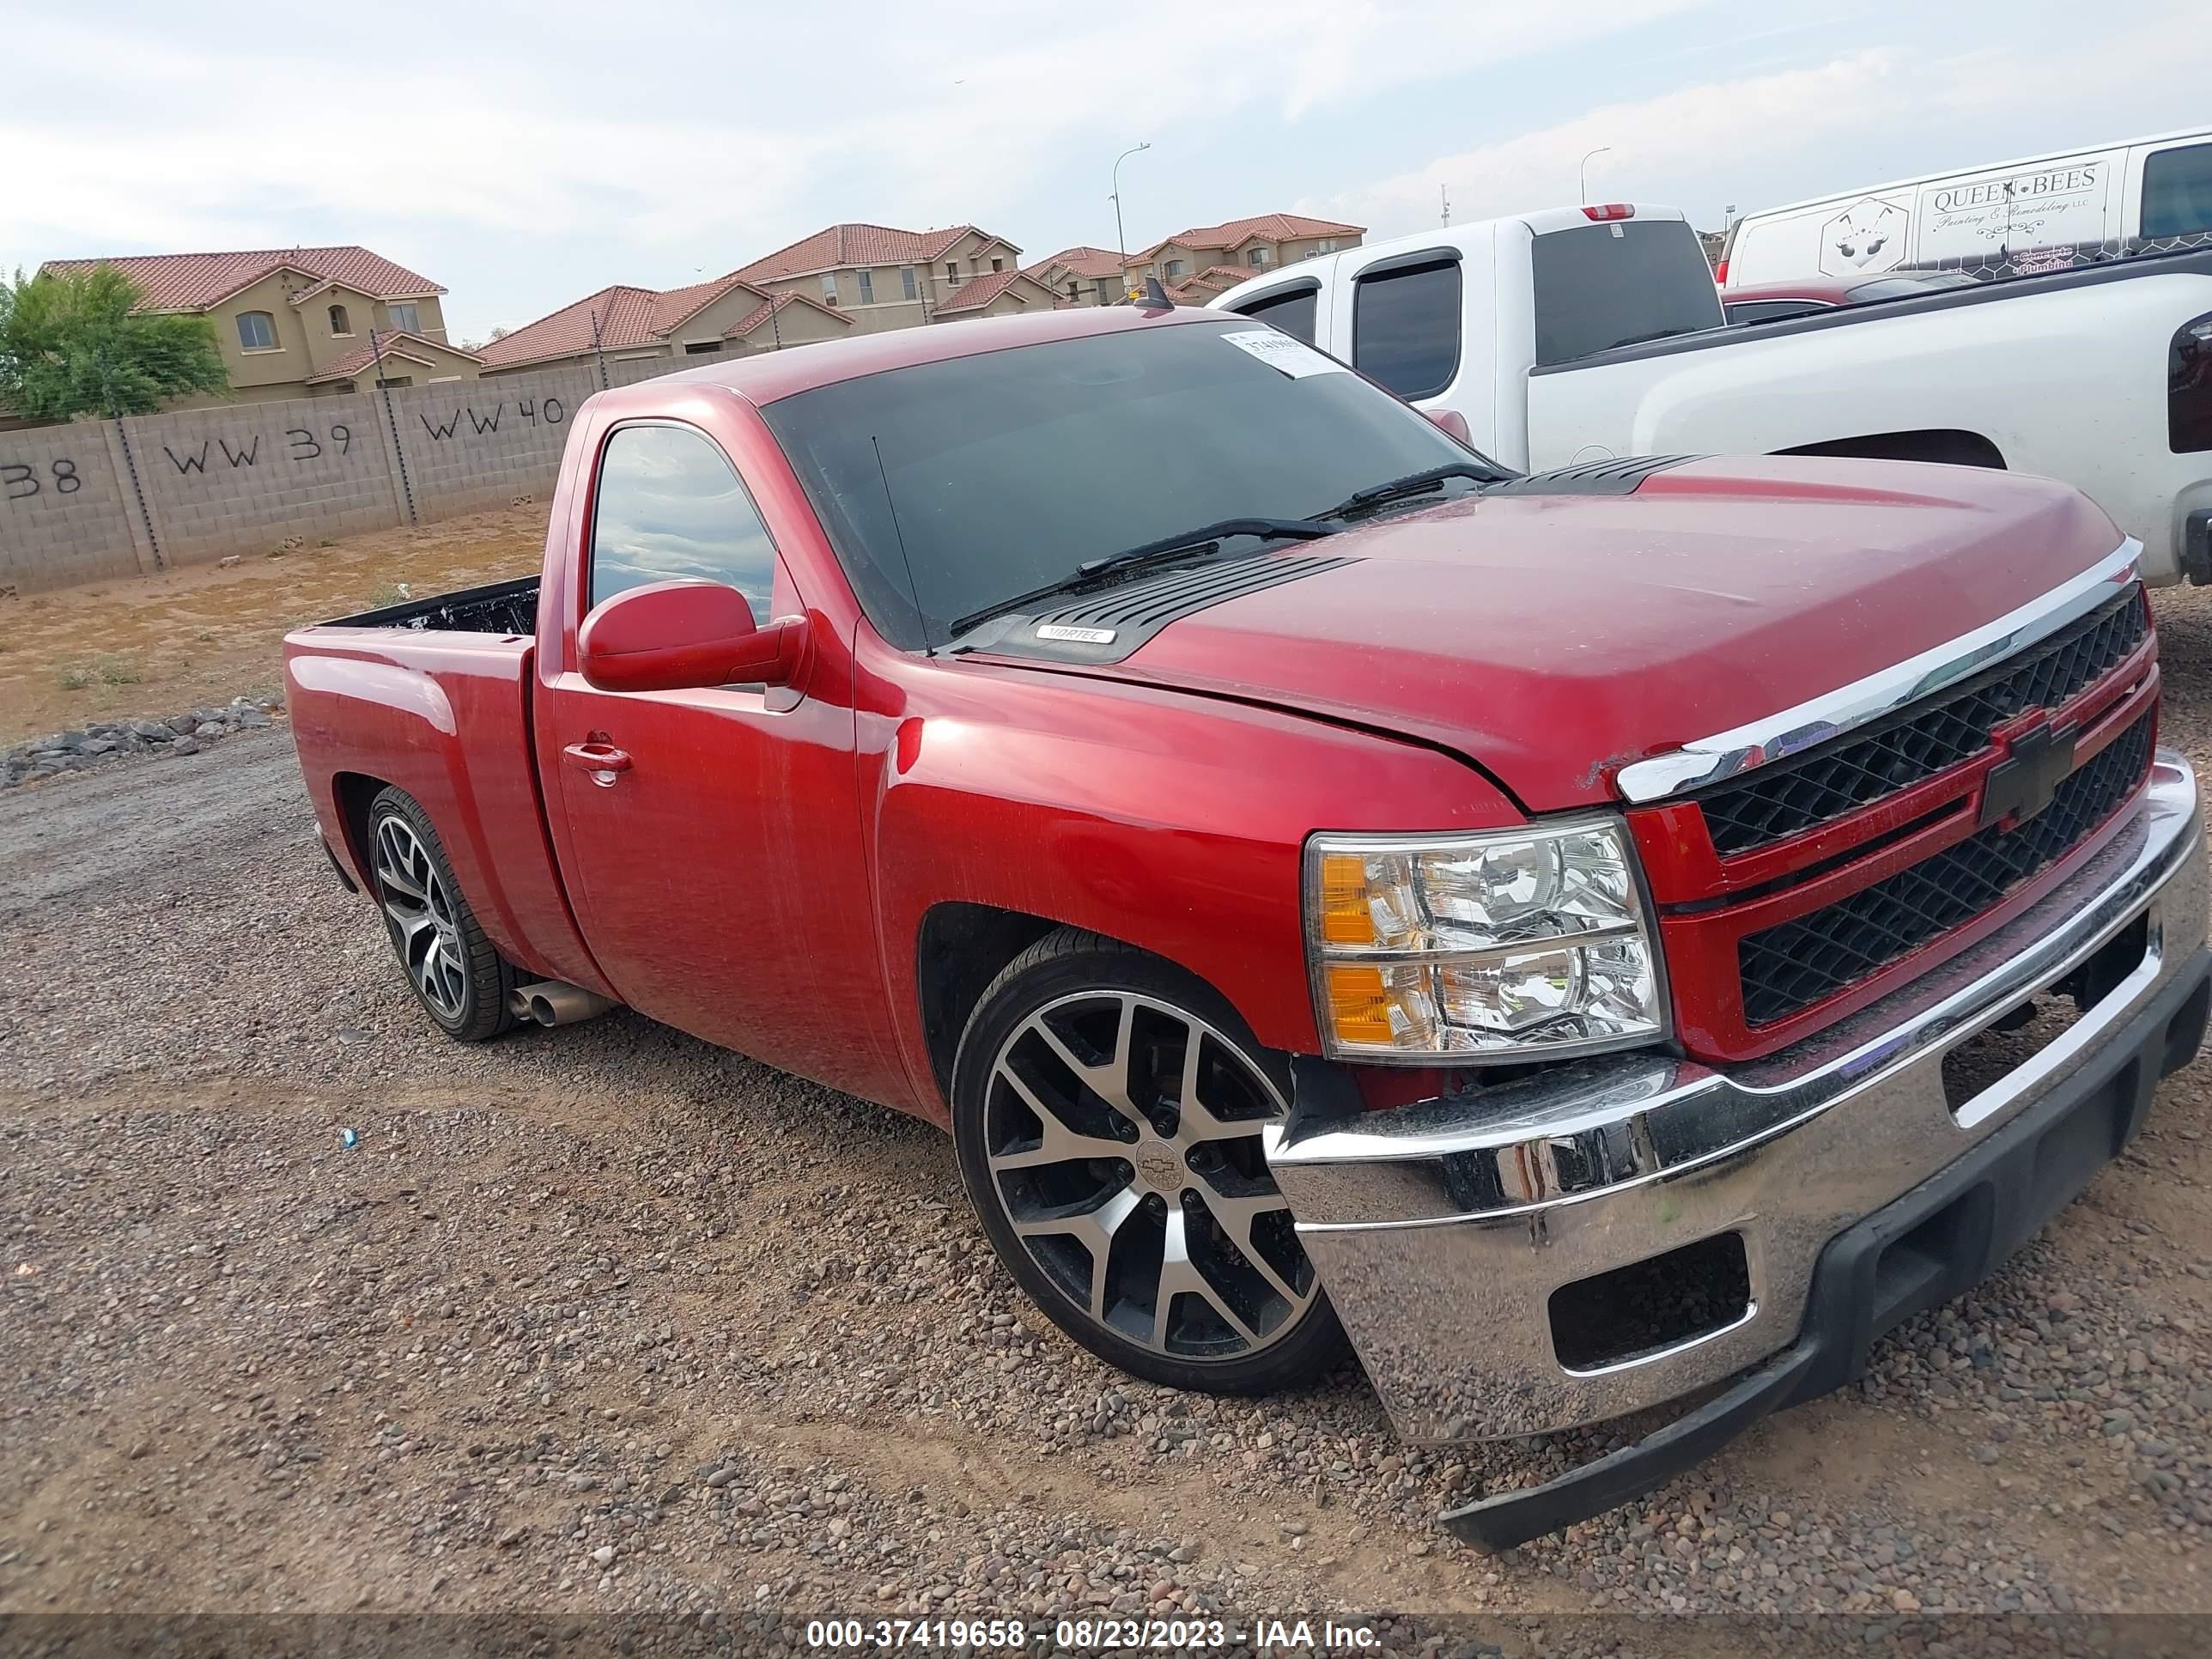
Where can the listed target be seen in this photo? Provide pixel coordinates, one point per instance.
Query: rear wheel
(461, 981)
(1107, 1107)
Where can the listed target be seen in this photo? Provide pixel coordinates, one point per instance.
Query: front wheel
(459, 978)
(1106, 1110)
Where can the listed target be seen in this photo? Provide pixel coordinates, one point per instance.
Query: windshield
(1604, 285)
(1010, 469)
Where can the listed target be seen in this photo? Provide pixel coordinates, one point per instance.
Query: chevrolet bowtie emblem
(2027, 779)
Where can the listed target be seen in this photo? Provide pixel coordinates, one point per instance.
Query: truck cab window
(1774, 311)
(1405, 327)
(2177, 191)
(1292, 313)
(669, 504)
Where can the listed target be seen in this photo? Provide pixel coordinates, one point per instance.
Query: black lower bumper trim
(1919, 1251)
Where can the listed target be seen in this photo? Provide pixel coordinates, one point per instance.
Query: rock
(225, 563)
(605, 1555)
(185, 746)
(252, 717)
(183, 724)
(721, 1477)
(152, 731)
(209, 730)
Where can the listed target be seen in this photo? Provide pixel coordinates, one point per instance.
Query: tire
(462, 983)
(1105, 1193)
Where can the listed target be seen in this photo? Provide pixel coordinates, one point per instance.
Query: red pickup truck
(1548, 929)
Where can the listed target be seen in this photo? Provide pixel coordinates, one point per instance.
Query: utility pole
(1121, 237)
(1444, 192)
(596, 352)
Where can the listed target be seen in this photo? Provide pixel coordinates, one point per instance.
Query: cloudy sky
(525, 154)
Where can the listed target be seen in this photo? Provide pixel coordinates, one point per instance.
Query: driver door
(712, 837)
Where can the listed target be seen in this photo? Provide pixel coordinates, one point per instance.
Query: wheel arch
(1949, 446)
(959, 949)
(352, 795)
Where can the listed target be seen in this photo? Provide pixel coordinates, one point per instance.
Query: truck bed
(509, 607)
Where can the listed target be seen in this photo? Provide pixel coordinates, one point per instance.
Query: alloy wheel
(1122, 1138)
(420, 909)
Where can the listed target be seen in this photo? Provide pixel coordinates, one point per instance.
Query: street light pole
(1121, 237)
(1582, 172)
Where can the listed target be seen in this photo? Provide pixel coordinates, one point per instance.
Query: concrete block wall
(63, 509)
(475, 443)
(242, 478)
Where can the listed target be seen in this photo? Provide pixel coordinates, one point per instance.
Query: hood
(1553, 639)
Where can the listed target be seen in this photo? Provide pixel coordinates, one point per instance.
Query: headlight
(1512, 946)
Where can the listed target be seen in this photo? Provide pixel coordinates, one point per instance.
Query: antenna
(1444, 192)
(905, 558)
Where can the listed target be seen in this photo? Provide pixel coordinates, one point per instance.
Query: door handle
(602, 760)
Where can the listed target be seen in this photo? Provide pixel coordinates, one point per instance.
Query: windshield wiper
(1094, 573)
(1427, 478)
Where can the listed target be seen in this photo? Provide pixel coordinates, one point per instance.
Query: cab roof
(766, 377)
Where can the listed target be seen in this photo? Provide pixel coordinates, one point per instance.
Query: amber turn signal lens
(1346, 918)
(1359, 1008)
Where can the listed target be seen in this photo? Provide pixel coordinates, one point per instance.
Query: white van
(2043, 213)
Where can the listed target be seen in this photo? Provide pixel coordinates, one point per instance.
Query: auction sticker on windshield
(1294, 357)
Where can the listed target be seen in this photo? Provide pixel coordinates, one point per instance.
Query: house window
(1175, 271)
(406, 317)
(952, 270)
(1075, 290)
(830, 289)
(1326, 244)
(907, 283)
(997, 264)
(1256, 257)
(396, 380)
(867, 288)
(340, 323)
(257, 330)
(1105, 293)
(700, 348)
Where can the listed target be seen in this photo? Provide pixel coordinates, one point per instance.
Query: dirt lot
(601, 1319)
(205, 633)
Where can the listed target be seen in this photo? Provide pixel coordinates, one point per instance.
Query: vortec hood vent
(1111, 624)
(1613, 477)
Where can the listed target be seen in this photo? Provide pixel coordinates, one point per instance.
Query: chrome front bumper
(1441, 1230)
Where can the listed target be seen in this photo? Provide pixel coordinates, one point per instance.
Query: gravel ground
(604, 1322)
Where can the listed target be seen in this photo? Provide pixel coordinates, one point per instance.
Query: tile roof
(673, 305)
(776, 305)
(1091, 262)
(1274, 227)
(842, 247)
(625, 315)
(982, 290)
(363, 358)
(193, 282)
(1207, 283)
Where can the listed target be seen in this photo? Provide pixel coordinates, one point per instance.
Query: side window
(669, 504)
(1292, 313)
(2177, 191)
(257, 330)
(1405, 327)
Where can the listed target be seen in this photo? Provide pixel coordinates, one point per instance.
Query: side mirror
(683, 635)
(1453, 422)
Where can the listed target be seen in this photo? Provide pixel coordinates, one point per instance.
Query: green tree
(70, 344)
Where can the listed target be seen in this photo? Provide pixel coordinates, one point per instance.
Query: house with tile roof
(1198, 263)
(1081, 276)
(726, 317)
(884, 278)
(295, 322)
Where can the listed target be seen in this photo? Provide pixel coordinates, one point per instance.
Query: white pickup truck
(1581, 335)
